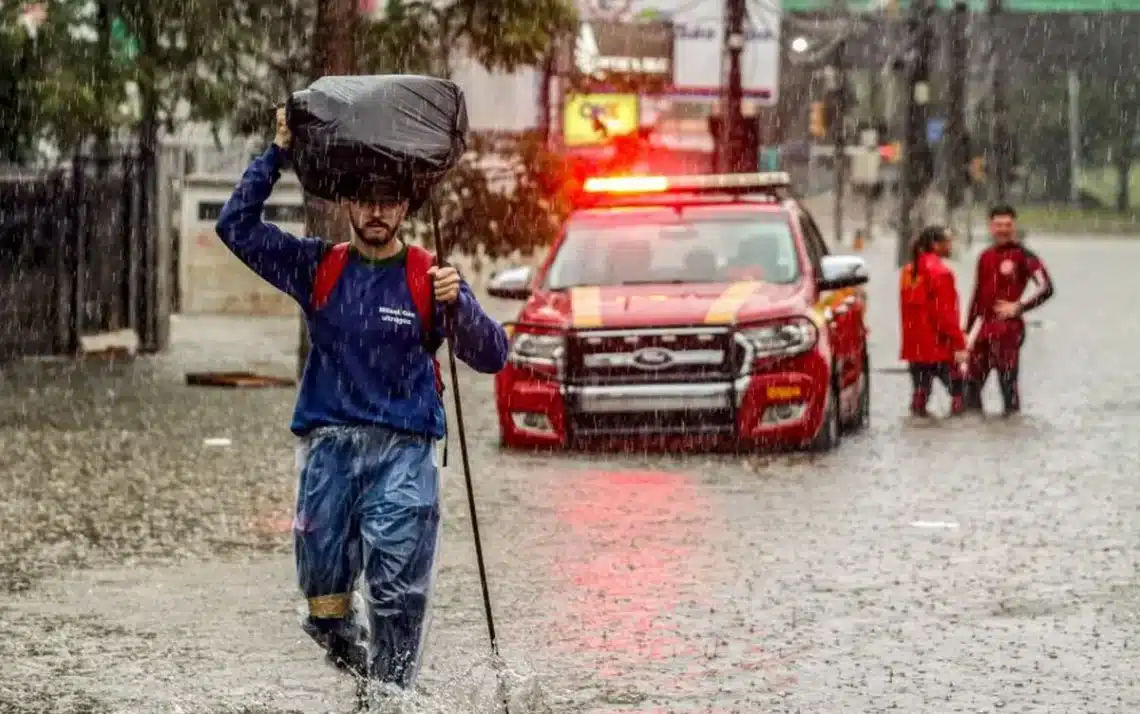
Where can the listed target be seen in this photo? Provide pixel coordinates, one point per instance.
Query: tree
(333, 52)
(411, 37)
(47, 89)
(1109, 113)
(18, 81)
(502, 199)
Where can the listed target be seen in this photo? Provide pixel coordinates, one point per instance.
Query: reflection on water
(635, 535)
(647, 587)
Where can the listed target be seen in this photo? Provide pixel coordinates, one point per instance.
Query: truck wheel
(862, 418)
(831, 431)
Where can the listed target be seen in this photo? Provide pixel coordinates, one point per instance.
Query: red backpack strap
(329, 271)
(419, 262)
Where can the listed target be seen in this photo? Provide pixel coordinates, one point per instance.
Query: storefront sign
(630, 51)
(696, 50)
(592, 119)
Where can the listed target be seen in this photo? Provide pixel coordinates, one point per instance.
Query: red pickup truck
(698, 311)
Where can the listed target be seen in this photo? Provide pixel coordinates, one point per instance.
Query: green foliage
(230, 62)
(502, 199)
(17, 89)
(255, 53)
(424, 37)
(1040, 112)
(259, 52)
(50, 84)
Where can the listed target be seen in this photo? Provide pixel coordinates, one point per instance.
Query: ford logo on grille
(652, 358)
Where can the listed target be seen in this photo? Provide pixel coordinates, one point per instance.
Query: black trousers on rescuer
(1000, 351)
(922, 376)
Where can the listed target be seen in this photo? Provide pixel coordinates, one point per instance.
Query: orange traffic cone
(860, 239)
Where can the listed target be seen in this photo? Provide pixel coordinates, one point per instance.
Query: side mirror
(511, 284)
(842, 271)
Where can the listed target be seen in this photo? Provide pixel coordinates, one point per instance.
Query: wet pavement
(956, 566)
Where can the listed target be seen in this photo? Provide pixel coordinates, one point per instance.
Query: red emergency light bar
(688, 184)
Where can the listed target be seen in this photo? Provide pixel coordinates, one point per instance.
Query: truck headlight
(543, 352)
(781, 339)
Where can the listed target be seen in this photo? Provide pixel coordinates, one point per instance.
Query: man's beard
(386, 234)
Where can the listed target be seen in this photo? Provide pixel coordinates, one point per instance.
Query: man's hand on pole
(446, 282)
(283, 136)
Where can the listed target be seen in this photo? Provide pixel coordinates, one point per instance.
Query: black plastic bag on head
(376, 138)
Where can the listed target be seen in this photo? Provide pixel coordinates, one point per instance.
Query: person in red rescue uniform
(995, 326)
(932, 339)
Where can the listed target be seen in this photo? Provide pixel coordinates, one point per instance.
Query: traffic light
(818, 120)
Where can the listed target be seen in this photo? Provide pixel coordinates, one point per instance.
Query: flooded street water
(956, 566)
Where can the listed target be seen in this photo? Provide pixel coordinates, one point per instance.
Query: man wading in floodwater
(368, 413)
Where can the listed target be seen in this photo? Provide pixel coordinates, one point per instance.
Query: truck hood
(663, 305)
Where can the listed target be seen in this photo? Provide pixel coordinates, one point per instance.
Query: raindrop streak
(934, 524)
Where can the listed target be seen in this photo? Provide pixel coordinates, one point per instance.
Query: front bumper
(779, 407)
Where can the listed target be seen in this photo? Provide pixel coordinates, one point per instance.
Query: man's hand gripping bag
(376, 138)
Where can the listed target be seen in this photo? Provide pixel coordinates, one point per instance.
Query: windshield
(666, 250)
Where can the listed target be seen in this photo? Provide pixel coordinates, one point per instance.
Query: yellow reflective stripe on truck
(829, 300)
(586, 307)
(724, 308)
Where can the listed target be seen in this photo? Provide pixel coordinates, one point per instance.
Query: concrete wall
(212, 280)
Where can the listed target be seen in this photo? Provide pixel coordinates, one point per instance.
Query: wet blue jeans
(368, 504)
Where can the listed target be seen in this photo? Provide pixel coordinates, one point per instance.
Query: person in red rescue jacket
(995, 326)
(932, 339)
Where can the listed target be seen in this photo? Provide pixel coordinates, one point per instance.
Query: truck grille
(703, 423)
(648, 356)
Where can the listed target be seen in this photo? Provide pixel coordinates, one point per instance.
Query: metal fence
(77, 256)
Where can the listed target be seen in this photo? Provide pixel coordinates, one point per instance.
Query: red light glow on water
(645, 581)
(638, 534)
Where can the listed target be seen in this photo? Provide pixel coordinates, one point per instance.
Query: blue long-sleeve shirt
(367, 364)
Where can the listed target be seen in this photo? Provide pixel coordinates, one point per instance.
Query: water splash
(488, 686)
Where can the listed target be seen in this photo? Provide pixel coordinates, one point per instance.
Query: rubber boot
(339, 639)
(1010, 397)
(395, 651)
(918, 402)
(971, 397)
(957, 405)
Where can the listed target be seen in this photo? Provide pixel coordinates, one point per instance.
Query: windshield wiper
(676, 281)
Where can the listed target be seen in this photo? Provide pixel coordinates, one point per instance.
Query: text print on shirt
(399, 317)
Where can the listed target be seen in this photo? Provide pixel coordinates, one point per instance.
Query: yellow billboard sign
(585, 115)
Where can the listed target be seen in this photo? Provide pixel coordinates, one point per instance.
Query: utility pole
(145, 313)
(918, 167)
(732, 129)
(998, 161)
(837, 88)
(1074, 137)
(891, 109)
(334, 54)
(958, 150)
